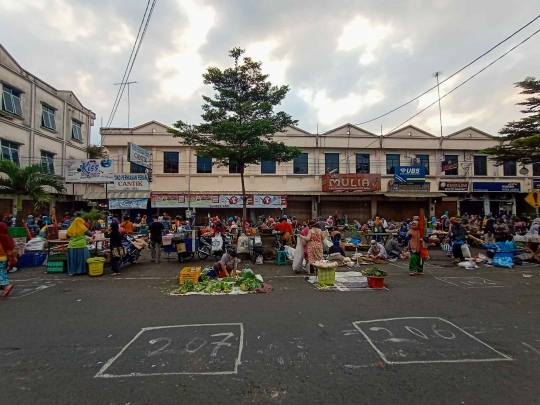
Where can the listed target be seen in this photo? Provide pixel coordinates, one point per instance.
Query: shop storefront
(458, 200)
(498, 197)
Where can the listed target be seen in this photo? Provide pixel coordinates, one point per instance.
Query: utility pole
(436, 75)
(126, 83)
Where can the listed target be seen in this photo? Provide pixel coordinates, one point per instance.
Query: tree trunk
(244, 201)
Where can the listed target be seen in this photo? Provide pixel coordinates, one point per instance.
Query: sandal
(412, 274)
(7, 290)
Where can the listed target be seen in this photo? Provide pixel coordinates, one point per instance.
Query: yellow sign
(533, 198)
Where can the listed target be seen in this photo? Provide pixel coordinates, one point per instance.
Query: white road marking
(532, 348)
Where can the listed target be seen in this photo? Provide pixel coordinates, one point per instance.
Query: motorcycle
(132, 247)
(208, 246)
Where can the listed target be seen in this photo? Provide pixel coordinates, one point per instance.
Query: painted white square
(179, 349)
(471, 282)
(419, 340)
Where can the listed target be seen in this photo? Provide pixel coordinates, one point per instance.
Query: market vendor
(377, 251)
(286, 229)
(393, 249)
(226, 267)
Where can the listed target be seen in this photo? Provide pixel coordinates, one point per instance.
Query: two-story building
(347, 169)
(40, 124)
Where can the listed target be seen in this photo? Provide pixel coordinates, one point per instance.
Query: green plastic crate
(17, 232)
(56, 267)
(57, 257)
(326, 276)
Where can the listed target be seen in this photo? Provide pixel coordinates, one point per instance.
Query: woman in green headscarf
(77, 249)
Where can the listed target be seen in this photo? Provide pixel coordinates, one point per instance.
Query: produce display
(374, 272)
(323, 264)
(245, 282)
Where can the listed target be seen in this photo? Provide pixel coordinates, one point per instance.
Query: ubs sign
(351, 182)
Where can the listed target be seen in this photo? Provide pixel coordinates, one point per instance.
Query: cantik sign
(124, 182)
(351, 182)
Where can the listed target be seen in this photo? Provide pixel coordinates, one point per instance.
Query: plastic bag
(328, 243)
(469, 265)
(298, 256)
(290, 252)
(466, 251)
(217, 243)
(35, 244)
(446, 248)
(504, 261)
(259, 260)
(243, 244)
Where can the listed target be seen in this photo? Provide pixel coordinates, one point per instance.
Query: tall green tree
(33, 181)
(239, 121)
(520, 141)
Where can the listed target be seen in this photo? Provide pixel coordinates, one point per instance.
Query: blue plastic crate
(31, 260)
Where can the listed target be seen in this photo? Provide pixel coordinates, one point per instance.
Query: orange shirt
(128, 226)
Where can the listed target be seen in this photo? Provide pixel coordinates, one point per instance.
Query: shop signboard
(410, 174)
(536, 184)
(138, 155)
(408, 187)
(351, 182)
(128, 203)
(448, 165)
(89, 171)
(496, 187)
(253, 201)
(181, 200)
(447, 186)
(133, 181)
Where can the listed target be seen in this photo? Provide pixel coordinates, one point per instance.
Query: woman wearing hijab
(416, 244)
(77, 249)
(115, 242)
(314, 240)
(7, 244)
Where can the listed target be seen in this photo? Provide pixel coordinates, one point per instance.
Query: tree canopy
(239, 121)
(520, 141)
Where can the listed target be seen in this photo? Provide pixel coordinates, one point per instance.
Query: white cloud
(276, 68)
(118, 39)
(432, 96)
(405, 45)
(330, 111)
(363, 34)
(179, 73)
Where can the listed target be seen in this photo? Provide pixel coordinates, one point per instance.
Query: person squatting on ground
(156, 229)
(393, 249)
(377, 252)
(226, 267)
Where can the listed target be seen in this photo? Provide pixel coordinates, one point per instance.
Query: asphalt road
(444, 338)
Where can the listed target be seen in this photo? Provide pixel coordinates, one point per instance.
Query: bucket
(167, 239)
(95, 266)
(375, 282)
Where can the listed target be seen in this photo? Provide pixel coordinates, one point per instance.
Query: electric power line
(449, 77)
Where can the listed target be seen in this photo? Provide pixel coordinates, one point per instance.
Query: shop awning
(117, 194)
(415, 195)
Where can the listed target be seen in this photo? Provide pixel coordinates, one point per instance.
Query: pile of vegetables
(323, 264)
(374, 272)
(246, 281)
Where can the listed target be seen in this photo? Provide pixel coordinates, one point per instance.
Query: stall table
(532, 244)
(383, 235)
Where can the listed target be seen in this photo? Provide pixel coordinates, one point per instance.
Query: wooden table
(383, 235)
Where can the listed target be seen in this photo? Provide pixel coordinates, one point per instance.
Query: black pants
(115, 264)
(457, 252)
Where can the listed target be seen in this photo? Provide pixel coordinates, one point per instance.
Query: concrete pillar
(314, 207)
(514, 208)
(373, 206)
(486, 204)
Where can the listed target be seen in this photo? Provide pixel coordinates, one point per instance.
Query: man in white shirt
(377, 251)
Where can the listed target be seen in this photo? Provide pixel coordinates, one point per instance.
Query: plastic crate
(326, 276)
(190, 273)
(59, 257)
(31, 260)
(56, 267)
(17, 232)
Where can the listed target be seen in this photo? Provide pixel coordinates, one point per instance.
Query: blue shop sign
(410, 174)
(485, 186)
(536, 184)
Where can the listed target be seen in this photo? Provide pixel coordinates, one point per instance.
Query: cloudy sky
(345, 61)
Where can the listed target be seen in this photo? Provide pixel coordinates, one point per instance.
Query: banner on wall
(410, 174)
(89, 171)
(137, 182)
(138, 155)
(128, 203)
(462, 186)
(488, 186)
(218, 201)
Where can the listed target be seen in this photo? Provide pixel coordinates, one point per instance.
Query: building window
(536, 169)
(509, 169)
(47, 162)
(47, 118)
(448, 159)
(392, 161)
(234, 169)
(331, 162)
(423, 160)
(10, 151)
(480, 165)
(362, 163)
(300, 164)
(170, 162)
(11, 100)
(268, 167)
(76, 130)
(135, 168)
(204, 165)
